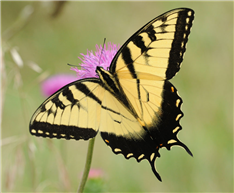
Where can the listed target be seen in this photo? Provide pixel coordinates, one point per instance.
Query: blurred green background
(51, 40)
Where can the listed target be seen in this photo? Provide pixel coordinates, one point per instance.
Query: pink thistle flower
(54, 83)
(101, 57)
(95, 173)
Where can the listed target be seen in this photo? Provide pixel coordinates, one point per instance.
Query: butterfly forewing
(67, 113)
(157, 49)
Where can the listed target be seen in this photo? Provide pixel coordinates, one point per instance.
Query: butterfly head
(104, 75)
(108, 80)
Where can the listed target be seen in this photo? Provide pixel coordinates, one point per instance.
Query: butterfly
(133, 105)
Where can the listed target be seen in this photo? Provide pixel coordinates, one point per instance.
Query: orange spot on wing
(172, 89)
(106, 141)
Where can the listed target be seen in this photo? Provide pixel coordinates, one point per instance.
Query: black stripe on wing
(126, 55)
(43, 129)
(144, 148)
(179, 43)
(169, 125)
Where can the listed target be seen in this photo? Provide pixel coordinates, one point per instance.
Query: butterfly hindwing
(158, 124)
(124, 133)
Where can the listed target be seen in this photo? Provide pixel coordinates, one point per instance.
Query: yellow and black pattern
(67, 113)
(142, 67)
(134, 106)
(156, 50)
(79, 110)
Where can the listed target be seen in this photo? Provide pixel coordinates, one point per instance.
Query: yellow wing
(156, 50)
(147, 60)
(67, 113)
(142, 68)
(79, 110)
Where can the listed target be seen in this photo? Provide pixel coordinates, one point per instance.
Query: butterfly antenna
(102, 50)
(72, 65)
(78, 66)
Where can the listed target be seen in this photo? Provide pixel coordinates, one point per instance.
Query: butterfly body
(133, 105)
(108, 81)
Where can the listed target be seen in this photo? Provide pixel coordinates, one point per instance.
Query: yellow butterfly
(133, 105)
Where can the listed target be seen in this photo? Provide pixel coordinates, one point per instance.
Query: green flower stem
(87, 166)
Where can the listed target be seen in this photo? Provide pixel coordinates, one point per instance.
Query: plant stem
(87, 166)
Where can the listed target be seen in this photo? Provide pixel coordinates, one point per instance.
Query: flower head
(95, 173)
(54, 83)
(101, 57)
